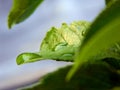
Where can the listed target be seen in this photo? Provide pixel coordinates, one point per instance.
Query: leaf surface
(109, 1)
(21, 10)
(103, 33)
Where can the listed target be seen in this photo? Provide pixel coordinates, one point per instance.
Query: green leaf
(21, 10)
(25, 57)
(112, 52)
(109, 1)
(91, 76)
(58, 44)
(104, 32)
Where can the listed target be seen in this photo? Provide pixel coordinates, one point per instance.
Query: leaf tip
(9, 25)
(72, 72)
(10, 22)
(19, 59)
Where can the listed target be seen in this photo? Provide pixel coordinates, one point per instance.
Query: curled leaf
(25, 57)
(59, 44)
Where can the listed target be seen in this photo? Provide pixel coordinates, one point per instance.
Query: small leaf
(21, 10)
(24, 57)
(91, 76)
(104, 32)
(59, 44)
